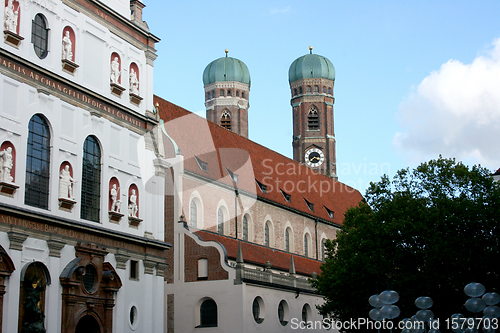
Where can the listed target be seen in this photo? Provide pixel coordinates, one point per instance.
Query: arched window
(313, 119)
(208, 313)
(220, 222)
(193, 216)
(225, 120)
(258, 309)
(287, 239)
(34, 279)
(37, 163)
(306, 312)
(308, 89)
(245, 228)
(91, 180)
(40, 36)
(323, 249)
(307, 241)
(316, 89)
(283, 313)
(221, 93)
(266, 234)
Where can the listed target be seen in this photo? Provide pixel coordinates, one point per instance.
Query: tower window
(316, 89)
(324, 90)
(221, 93)
(225, 120)
(242, 94)
(300, 90)
(208, 95)
(213, 93)
(229, 92)
(294, 92)
(308, 89)
(329, 91)
(237, 93)
(313, 120)
(40, 36)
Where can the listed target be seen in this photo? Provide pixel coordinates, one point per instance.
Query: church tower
(227, 86)
(311, 79)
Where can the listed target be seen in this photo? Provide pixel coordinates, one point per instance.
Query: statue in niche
(33, 317)
(67, 45)
(11, 17)
(66, 184)
(6, 161)
(115, 203)
(115, 71)
(134, 82)
(132, 207)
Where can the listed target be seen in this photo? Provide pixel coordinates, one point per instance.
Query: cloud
(283, 10)
(455, 111)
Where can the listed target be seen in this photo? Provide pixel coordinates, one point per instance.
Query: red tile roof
(258, 254)
(497, 173)
(222, 149)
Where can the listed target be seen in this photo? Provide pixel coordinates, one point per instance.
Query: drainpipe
(316, 236)
(236, 211)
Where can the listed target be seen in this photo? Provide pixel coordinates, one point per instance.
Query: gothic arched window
(266, 234)
(245, 228)
(193, 216)
(225, 120)
(37, 163)
(220, 222)
(287, 239)
(313, 119)
(91, 180)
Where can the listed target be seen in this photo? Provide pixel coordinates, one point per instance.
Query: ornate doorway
(88, 324)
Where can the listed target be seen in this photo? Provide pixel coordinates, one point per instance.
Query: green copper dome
(226, 69)
(311, 66)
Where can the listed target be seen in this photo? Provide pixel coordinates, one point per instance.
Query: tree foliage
(428, 232)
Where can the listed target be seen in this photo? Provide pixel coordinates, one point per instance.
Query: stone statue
(33, 317)
(7, 163)
(11, 17)
(132, 207)
(67, 45)
(115, 203)
(115, 71)
(134, 82)
(66, 184)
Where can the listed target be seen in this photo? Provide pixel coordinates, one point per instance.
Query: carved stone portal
(89, 287)
(6, 269)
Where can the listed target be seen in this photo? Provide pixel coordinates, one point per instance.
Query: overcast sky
(414, 79)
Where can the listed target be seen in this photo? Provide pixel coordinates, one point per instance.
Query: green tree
(428, 232)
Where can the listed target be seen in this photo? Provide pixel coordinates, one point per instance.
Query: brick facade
(193, 252)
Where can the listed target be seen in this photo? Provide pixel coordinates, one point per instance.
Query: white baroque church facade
(122, 212)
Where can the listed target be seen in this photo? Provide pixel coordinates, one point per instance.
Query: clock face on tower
(314, 157)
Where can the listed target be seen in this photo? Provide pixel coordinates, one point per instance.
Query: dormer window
(287, 196)
(262, 187)
(203, 165)
(309, 205)
(234, 177)
(330, 213)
